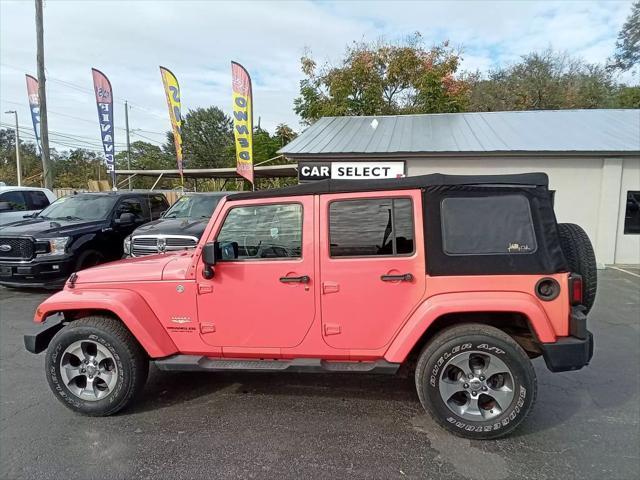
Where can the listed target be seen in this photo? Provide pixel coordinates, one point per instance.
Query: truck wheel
(476, 381)
(88, 259)
(578, 251)
(95, 366)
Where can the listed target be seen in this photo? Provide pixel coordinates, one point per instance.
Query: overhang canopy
(270, 171)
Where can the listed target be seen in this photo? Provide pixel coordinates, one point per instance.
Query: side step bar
(194, 363)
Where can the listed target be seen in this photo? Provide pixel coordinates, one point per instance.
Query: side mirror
(125, 219)
(5, 207)
(214, 252)
(209, 258)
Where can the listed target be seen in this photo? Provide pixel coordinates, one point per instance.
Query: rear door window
(371, 227)
(37, 200)
(488, 225)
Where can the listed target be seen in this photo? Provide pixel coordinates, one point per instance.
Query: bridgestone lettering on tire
(578, 251)
(476, 381)
(95, 366)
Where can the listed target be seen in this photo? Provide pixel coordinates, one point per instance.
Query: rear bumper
(39, 340)
(572, 352)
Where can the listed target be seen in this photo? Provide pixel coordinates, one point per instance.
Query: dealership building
(592, 158)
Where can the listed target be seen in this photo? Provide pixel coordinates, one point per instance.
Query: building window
(375, 227)
(632, 213)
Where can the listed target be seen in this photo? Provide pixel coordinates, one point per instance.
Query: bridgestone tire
(481, 339)
(578, 251)
(128, 356)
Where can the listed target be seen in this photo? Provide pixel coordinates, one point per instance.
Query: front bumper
(39, 340)
(49, 273)
(572, 352)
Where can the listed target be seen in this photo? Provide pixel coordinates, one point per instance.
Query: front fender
(434, 307)
(127, 305)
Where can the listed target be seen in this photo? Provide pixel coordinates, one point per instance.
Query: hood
(138, 269)
(39, 227)
(174, 226)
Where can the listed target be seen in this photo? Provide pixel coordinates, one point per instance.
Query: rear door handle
(301, 279)
(406, 277)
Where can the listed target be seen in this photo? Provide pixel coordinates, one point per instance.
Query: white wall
(589, 192)
(628, 246)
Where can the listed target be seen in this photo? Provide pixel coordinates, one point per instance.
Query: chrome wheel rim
(476, 386)
(88, 370)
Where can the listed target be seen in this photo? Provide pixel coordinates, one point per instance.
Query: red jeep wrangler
(463, 278)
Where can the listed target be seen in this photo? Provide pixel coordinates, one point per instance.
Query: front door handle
(301, 279)
(406, 277)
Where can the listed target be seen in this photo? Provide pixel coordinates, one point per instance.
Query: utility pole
(18, 169)
(47, 174)
(126, 122)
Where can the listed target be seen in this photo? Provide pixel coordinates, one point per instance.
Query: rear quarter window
(487, 225)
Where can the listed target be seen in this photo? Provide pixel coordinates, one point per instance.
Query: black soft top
(405, 183)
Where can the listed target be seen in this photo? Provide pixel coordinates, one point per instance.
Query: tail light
(575, 289)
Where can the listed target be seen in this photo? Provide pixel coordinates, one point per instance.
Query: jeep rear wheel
(476, 381)
(95, 366)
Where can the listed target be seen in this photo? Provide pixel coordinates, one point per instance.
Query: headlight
(126, 246)
(57, 245)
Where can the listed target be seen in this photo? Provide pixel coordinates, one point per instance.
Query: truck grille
(151, 244)
(16, 248)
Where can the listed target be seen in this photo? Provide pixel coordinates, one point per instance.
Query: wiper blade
(68, 217)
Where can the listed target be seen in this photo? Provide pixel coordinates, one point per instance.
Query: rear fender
(127, 305)
(472, 302)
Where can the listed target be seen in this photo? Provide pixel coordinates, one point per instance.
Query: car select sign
(309, 171)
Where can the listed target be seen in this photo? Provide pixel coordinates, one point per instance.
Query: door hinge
(207, 328)
(204, 288)
(332, 329)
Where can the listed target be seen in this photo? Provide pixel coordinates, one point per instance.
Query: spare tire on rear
(578, 251)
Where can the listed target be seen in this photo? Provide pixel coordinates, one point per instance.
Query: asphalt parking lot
(585, 424)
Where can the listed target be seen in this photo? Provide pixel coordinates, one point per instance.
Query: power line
(88, 140)
(90, 92)
(88, 121)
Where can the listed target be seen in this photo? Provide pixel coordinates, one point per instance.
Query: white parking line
(623, 270)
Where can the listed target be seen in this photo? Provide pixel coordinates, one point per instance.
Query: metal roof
(614, 131)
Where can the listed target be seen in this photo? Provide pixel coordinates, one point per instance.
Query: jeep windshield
(193, 206)
(79, 207)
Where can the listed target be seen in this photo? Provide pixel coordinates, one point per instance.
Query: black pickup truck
(179, 228)
(71, 234)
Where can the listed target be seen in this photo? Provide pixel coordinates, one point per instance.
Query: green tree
(207, 139)
(384, 78)
(627, 54)
(544, 81)
(627, 97)
(285, 134)
(29, 160)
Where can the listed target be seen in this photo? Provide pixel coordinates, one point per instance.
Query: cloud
(198, 39)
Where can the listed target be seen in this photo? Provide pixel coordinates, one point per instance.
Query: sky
(197, 40)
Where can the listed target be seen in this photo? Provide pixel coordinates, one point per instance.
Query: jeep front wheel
(95, 366)
(476, 381)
